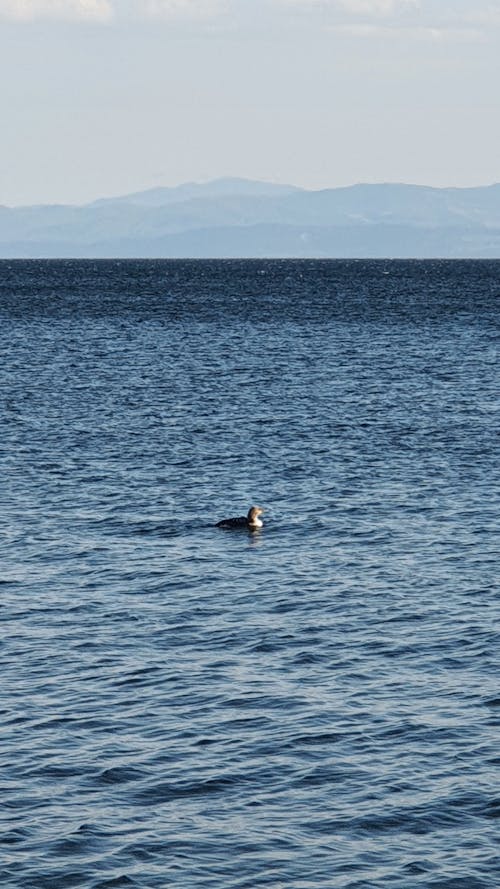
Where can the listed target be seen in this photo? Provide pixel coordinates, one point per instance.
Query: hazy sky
(103, 97)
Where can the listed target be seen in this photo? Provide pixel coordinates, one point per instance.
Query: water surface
(315, 705)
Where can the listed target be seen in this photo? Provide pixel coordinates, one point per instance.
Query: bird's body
(251, 521)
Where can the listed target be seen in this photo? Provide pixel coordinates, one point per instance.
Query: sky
(107, 97)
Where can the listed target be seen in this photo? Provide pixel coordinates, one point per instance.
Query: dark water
(315, 705)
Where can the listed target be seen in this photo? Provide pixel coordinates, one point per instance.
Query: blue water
(314, 705)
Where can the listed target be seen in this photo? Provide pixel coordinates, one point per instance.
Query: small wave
(120, 775)
(166, 791)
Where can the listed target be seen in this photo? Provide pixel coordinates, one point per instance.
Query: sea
(314, 705)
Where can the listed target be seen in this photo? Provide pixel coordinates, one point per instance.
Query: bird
(250, 521)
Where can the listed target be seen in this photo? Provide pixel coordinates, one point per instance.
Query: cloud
(422, 33)
(375, 7)
(167, 9)
(105, 10)
(356, 7)
(365, 17)
(79, 10)
(488, 17)
(424, 20)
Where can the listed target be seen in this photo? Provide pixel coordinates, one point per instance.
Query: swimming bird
(250, 520)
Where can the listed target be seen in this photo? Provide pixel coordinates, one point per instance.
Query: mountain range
(243, 218)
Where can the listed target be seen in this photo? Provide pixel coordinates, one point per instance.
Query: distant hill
(218, 188)
(239, 217)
